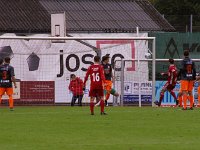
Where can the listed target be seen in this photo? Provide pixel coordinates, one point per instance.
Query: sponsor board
(37, 92)
(132, 93)
(168, 99)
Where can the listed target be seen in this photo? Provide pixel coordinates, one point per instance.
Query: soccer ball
(147, 55)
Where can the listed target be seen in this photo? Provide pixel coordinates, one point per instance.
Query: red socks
(161, 97)
(92, 107)
(173, 94)
(102, 105)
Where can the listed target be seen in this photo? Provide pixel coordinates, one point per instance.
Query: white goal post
(122, 74)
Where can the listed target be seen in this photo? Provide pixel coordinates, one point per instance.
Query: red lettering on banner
(131, 42)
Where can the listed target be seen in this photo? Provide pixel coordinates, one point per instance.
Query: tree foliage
(178, 12)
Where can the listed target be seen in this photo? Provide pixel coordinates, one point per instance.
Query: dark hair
(171, 61)
(1, 61)
(96, 59)
(107, 56)
(186, 53)
(7, 60)
(72, 75)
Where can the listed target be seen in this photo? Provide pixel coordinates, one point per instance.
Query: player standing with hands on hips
(188, 76)
(7, 76)
(97, 79)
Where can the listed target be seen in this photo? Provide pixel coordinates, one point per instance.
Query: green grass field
(124, 128)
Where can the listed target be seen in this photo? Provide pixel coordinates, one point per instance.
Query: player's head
(72, 76)
(186, 53)
(7, 60)
(171, 61)
(97, 59)
(1, 61)
(105, 58)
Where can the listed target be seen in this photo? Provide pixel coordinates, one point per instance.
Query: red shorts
(168, 87)
(96, 93)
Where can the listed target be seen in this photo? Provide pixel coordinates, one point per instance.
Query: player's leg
(164, 89)
(115, 94)
(180, 98)
(100, 96)
(92, 95)
(80, 97)
(101, 103)
(92, 105)
(162, 93)
(191, 99)
(190, 94)
(2, 91)
(9, 92)
(184, 86)
(74, 97)
(174, 96)
(97, 102)
(170, 88)
(107, 87)
(199, 96)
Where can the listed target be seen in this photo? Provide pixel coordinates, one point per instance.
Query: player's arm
(164, 73)
(81, 84)
(197, 78)
(86, 77)
(70, 86)
(12, 73)
(182, 68)
(174, 75)
(194, 70)
(14, 81)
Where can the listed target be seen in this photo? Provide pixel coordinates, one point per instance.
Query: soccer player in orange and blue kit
(171, 82)
(97, 79)
(7, 76)
(108, 79)
(188, 76)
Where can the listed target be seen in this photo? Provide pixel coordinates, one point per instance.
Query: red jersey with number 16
(97, 77)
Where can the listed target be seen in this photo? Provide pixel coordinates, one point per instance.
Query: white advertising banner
(42, 60)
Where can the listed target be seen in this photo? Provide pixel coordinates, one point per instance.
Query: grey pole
(122, 82)
(114, 86)
(191, 23)
(154, 72)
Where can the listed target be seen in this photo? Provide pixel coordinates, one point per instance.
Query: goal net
(137, 87)
(43, 67)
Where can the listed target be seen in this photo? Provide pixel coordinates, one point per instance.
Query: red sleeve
(70, 86)
(81, 82)
(86, 76)
(172, 76)
(102, 74)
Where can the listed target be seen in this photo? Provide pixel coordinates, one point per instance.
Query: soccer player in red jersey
(171, 82)
(97, 79)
